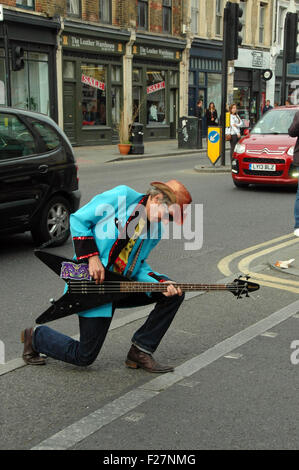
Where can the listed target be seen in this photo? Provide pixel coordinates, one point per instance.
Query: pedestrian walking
(234, 130)
(199, 109)
(267, 107)
(294, 132)
(120, 240)
(211, 115)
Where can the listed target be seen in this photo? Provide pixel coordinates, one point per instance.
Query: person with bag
(233, 133)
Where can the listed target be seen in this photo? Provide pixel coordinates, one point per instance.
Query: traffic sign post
(214, 143)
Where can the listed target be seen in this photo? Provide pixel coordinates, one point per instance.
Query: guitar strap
(131, 268)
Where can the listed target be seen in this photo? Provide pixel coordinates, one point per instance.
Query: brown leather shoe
(29, 355)
(137, 358)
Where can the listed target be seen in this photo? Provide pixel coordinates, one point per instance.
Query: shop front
(249, 92)
(292, 81)
(92, 83)
(205, 76)
(32, 85)
(156, 84)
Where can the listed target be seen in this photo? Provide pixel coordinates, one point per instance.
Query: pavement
(101, 154)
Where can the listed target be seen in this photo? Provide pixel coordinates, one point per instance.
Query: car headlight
(291, 151)
(240, 148)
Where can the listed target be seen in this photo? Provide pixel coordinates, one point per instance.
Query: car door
(19, 191)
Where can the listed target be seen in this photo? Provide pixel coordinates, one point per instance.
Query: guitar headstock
(240, 287)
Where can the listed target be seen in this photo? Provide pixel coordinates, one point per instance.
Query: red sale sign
(92, 82)
(156, 87)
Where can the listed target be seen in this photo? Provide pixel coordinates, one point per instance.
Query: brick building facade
(87, 60)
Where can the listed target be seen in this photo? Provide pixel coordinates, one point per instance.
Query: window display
(156, 98)
(30, 86)
(93, 79)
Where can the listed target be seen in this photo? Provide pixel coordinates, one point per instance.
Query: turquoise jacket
(99, 221)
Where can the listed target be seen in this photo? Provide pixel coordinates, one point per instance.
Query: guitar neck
(162, 287)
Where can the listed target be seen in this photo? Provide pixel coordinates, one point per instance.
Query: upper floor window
(105, 11)
(262, 23)
(194, 16)
(167, 16)
(73, 8)
(143, 14)
(242, 6)
(218, 28)
(30, 4)
(281, 21)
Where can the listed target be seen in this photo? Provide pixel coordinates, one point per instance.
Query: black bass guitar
(83, 293)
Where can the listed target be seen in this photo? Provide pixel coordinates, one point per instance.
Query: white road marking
(85, 427)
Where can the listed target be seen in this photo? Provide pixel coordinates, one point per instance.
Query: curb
(172, 154)
(212, 169)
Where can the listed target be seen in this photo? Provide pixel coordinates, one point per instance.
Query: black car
(38, 176)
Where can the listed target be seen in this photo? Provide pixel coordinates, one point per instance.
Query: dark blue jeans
(93, 332)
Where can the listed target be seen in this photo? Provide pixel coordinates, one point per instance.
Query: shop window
(136, 75)
(143, 14)
(156, 99)
(15, 139)
(218, 29)
(48, 135)
(94, 102)
(105, 11)
(201, 79)
(30, 4)
(73, 8)
(30, 86)
(68, 69)
(173, 78)
(116, 73)
(167, 16)
(191, 78)
(214, 90)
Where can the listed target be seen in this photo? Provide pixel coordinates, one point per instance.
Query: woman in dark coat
(211, 115)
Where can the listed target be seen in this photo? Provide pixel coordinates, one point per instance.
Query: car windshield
(275, 122)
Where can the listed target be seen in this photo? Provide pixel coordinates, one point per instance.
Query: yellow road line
(243, 266)
(223, 264)
(261, 282)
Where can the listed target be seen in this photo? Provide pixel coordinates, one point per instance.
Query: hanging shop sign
(91, 44)
(156, 87)
(92, 82)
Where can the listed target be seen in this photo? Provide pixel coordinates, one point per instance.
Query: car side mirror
(246, 131)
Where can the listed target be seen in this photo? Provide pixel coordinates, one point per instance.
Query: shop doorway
(69, 113)
(174, 107)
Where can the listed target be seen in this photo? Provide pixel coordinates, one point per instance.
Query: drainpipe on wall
(60, 74)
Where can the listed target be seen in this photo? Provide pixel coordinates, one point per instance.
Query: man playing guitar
(118, 229)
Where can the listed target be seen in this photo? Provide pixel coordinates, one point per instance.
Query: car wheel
(54, 223)
(240, 185)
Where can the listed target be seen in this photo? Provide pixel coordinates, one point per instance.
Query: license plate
(262, 167)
